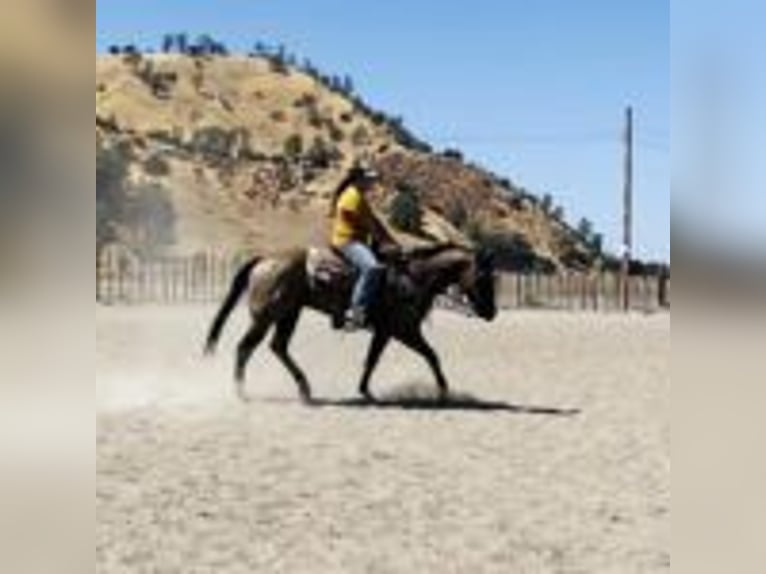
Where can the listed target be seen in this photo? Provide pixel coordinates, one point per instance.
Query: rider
(354, 230)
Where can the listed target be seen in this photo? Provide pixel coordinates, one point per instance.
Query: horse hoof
(242, 394)
(307, 399)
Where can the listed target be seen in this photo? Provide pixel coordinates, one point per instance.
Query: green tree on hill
(585, 229)
(111, 173)
(143, 211)
(406, 212)
(293, 146)
(547, 204)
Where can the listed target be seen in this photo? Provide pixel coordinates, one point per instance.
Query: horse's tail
(238, 287)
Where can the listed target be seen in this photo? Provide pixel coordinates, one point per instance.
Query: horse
(279, 287)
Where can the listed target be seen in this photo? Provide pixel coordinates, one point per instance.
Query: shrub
(406, 211)
(454, 154)
(585, 229)
(596, 244)
(152, 217)
(378, 118)
(547, 204)
(278, 65)
(293, 146)
(279, 116)
(212, 142)
(512, 251)
(360, 136)
(159, 83)
(315, 119)
(321, 155)
(457, 214)
(336, 134)
(157, 166)
(111, 173)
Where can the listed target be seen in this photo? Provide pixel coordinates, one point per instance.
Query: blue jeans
(370, 273)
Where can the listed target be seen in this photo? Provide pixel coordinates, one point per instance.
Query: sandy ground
(555, 459)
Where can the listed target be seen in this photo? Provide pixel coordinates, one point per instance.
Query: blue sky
(719, 123)
(533, 90)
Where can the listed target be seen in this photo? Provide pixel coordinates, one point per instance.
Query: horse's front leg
(417, 343)
(377, 346)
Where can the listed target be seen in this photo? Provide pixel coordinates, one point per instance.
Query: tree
(111, 173)
(597, 244)
(309, 67)
(168, 42)
(213, 142)
(451, 153)
(321, 155)
(277, 62)
(348, 85)
(547, 204)
(145, 211)
(406, 211)
(293, 147)
(206, 44)
(512, 251)
(336, 84)
(219, 49)
(360, 136)
(457, 215)
(182, 42)
(585, 229)
(157, 166)
(152, 218)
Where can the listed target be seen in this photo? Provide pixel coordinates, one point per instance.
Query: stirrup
(355, 320)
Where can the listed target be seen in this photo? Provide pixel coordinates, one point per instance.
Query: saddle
(327, 266)
(329, 272)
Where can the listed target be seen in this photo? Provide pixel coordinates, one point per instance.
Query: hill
(201, 151)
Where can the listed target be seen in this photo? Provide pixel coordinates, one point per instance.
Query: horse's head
(477, 281)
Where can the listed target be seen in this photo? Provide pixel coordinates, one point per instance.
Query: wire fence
(122, 278)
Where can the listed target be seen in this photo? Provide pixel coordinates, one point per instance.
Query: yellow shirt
(357, 227)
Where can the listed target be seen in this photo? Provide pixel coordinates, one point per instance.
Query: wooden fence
(581, 292)
(205, 278)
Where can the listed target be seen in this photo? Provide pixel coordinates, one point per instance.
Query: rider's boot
(356, 319)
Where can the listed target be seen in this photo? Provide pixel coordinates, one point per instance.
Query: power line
(528, 138)
(655, 143)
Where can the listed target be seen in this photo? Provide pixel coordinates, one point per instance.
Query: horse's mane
(426, 251)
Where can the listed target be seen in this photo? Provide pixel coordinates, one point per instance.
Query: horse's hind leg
(285, 328)
(246, 347)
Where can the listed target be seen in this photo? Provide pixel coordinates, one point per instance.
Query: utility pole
(627, 245)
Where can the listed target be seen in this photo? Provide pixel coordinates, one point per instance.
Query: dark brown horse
(279, 287)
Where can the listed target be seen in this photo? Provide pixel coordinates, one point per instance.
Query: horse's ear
(485, 258)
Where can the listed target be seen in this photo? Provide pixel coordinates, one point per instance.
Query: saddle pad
(324, 265)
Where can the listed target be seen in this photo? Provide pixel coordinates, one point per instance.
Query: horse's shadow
(412, 399)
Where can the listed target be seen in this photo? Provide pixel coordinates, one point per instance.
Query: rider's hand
(391, 250)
